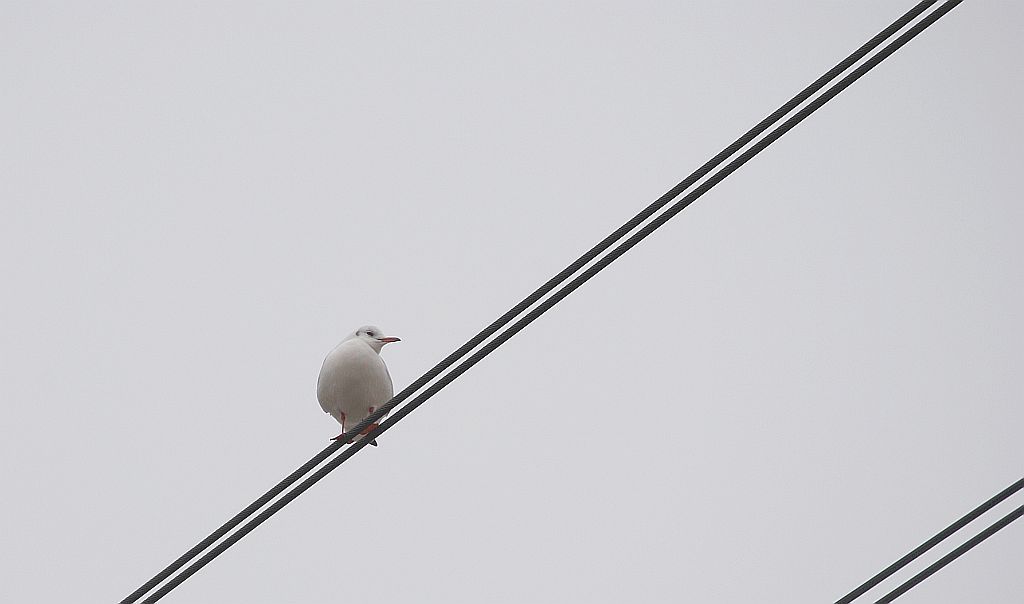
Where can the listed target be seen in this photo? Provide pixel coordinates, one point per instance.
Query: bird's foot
(363, 433)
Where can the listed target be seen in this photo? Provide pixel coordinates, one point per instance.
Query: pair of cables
(220, 540)
(939, 537)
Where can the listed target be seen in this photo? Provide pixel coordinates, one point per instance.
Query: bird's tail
(362, 436)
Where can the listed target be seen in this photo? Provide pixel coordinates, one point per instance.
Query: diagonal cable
(994, 528)
(544, 306)
(535, 296)
(935, 540)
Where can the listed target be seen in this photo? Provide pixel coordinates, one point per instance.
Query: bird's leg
(365, 431)
(371, 426)
(342, 428)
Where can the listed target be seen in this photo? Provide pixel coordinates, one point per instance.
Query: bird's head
(374, 337)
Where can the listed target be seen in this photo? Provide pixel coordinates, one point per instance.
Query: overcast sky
(797, 380)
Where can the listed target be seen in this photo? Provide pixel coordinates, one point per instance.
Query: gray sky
(801, 377)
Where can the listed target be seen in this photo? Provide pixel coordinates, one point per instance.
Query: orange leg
(342, 428)
(365, 431)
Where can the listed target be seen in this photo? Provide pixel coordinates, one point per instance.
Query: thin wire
(935, 540)
(554, 299)
(530, 300)
(953, 555)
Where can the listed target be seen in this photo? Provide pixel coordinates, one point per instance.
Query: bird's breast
(353, 380)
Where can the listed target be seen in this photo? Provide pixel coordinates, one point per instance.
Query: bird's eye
(370, 333)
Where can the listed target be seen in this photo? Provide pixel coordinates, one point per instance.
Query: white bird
(354, 381)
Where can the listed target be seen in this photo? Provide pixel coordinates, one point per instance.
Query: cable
(927, 545)
(518, 309)
(544, 306)
(953, 555)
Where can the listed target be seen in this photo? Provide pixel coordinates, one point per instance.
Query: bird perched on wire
(354, 381)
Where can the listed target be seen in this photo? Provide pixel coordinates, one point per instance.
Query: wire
(548, 303)
(953, 555)
(534, 297)
(935, 540)
(516, 310)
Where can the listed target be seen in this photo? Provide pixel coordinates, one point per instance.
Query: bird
(354, 381)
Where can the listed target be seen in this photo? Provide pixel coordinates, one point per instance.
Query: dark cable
(544, 306)
(516, 310)
(953, 555)
(927, 545)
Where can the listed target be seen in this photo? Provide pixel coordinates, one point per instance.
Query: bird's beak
(389, 340)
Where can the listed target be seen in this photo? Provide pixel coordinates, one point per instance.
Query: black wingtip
(373, 442)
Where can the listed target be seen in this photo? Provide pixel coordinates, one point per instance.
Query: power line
(935, 540)
(550, 302)
(953, 555)
(516, 310)
(547, 287)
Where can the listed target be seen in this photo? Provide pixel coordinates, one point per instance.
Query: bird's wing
(328, 383)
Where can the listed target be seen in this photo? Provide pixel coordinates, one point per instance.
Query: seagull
(354, 381)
